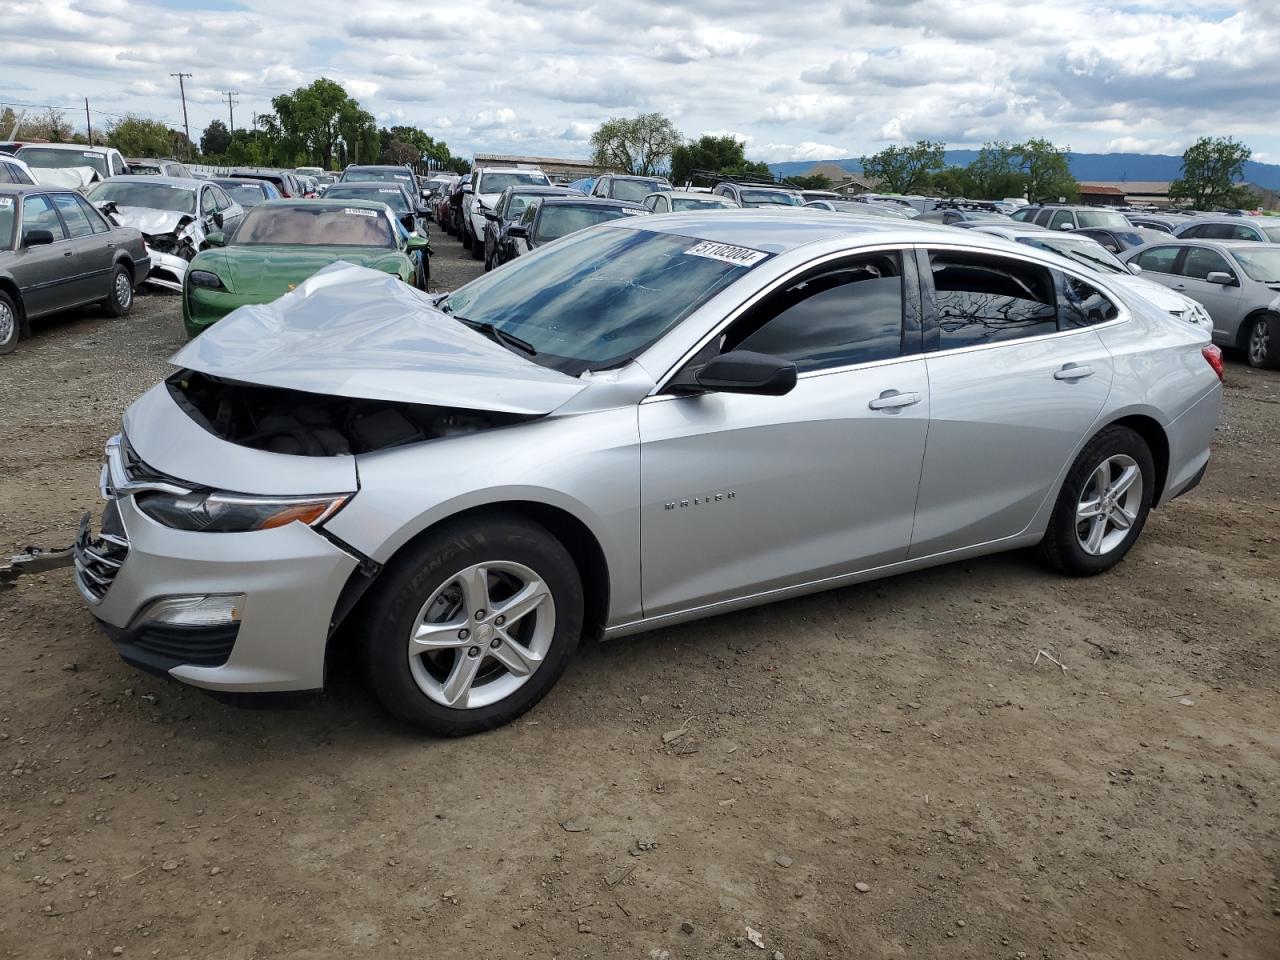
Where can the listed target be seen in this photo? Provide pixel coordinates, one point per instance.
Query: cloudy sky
(795, 82)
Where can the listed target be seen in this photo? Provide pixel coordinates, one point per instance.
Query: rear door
(744, 494)
(1015, 380)
(44, 272)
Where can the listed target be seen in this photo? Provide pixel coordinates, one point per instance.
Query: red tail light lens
(1214, 356)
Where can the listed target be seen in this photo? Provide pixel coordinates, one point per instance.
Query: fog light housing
(218, 610)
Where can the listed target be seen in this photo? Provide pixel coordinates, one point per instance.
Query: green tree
(50, 125)
(814, 181)
(215, 140)
(1212, 168)
(714, 154)
(314, 119)
(905, 169)
(139, 137)
(421, 146)
(8, 123)
(640, 146)
(952, 182)
(1045, 170)
(995, 172)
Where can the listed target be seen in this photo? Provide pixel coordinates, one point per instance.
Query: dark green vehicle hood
(270, 271)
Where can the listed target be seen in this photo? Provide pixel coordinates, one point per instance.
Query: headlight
(203, 278)
(235, 513)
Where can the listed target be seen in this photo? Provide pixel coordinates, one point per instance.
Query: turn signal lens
(1213, 355)
(308, 513)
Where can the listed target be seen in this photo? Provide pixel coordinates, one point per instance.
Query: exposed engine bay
(316, 425)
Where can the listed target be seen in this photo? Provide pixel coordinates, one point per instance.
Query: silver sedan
(653, 420)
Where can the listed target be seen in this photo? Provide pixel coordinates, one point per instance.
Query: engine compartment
(317, 425)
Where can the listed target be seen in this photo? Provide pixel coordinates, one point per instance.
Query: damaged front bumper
(168, 270)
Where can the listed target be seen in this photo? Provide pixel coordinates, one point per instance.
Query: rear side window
(94, 217)
(836, 318)
(1081, 304)
(982, 299)
(1241, 231)
(1201, 261)
(6, 173)
(1199, 230)
(1159, 259)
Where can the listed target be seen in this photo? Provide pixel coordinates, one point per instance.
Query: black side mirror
(518, 230)
(217, 219)
(37, 238)
(407, 221)
(490, 215)
(744, 371)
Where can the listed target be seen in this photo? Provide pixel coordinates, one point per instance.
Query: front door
(1223, 301)
(43, 271)
(744, 494)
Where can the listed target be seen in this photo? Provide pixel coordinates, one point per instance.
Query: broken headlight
(207, 512)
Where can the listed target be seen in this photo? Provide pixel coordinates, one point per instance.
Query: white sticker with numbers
(727, 253)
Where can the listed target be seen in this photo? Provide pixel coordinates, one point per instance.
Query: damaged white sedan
(174, 214)
(648, 421)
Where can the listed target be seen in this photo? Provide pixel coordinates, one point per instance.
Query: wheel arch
(1157, 440)
(1246, 325)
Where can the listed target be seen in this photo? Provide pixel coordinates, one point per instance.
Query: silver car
(656, 419)
(1238, 281)
(1260, 229)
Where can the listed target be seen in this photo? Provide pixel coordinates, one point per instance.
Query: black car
(1118, 241)
(403, 201)
(454, 223)
(248, 193)
(511, 204)
(383, 172)
(551, 218)
(286, 183)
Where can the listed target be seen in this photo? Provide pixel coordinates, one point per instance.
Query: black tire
(1262, 342)
(477, 247)
(120, 294)
(10, 324)
(1061, 547)
(419, 571)
(466, 234)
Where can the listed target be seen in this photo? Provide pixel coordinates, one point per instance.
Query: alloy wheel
(123, 290)
(482, 634)
(8, 324)
(1109, 505)
(1259, 342)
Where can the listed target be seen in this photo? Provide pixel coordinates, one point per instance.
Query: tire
(120, 298)
(1262, 342)
(433, 583)
(10, 324)
(477, 247)
(1084, 544)
(465, 233)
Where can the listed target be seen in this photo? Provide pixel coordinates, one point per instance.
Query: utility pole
(87, 122)
(231, 111)
(183, 91)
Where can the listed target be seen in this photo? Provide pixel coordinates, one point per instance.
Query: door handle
(893, 400)
(1073, 371)
(1179, 286)
(68, 253)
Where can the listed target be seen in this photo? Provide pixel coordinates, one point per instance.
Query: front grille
(99, 559)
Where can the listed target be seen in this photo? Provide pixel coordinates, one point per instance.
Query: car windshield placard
(727, 252)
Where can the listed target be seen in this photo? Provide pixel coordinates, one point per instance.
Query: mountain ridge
(1084, 166)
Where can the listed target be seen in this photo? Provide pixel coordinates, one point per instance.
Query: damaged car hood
(354, 332)
(73, 177)
(150, 221)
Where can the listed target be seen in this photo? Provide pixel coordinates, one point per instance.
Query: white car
(676, 201)
(13, 170)
(481, 195)
(74, 165)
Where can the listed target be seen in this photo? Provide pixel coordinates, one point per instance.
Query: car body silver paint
(617, 452)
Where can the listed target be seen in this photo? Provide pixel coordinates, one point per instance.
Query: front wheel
(9, 328)
(1264, 341)
(120, 298)
(472, 626)
(1103, 504)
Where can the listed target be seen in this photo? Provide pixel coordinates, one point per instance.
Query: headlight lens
(234, 513)
(203, 278)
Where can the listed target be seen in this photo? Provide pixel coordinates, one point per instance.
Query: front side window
(38, 214)
(841, 316)
(984, 299)
(220, 200)
(1081, 304)
(117, 165)
(1241, 231)
(207, 204)
(1201, 261)
(1159, 259)
(78, 224)
(1061, 218)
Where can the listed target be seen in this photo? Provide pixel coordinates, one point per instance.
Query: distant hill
(1084, 166)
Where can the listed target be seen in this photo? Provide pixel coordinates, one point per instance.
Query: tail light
(1213, 355)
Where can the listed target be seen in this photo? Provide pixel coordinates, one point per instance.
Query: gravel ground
(879, 771)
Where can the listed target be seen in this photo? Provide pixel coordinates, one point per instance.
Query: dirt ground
(879, 771)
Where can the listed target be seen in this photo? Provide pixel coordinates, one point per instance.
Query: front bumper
(167, 270)
(290, 577)
(202, 307)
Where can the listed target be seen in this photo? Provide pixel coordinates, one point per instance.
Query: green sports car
(282, 242)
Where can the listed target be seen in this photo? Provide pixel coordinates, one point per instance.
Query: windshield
(689, 203)
(497, 182)
(560, 219)
(59, 159)
(1102, 218)
(1260, 265)
(144, 169)
(152, 196)
(760, 198)
(1091, 254)
(314, 225)
(393, 197)
(372, 173)
(246, 194)
(599, 298)
(1272, 232)
(636, 190)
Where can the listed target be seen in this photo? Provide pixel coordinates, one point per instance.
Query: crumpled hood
(149, 221)
(73, 177)
(354, 332)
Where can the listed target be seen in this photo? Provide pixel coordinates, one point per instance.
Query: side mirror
(1134, 268)
(518, 230)
(1220, 277)
(216, 239)
(468, 189)
(416, 242)
(406, 220)
(490, 215)
(1064, 226)
(217, 219)
(37, 238)
(744, 371)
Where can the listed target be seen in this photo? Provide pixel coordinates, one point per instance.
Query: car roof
(541, 189)
(584, 201)
(239, 181)
(20, 189)
(693, 195)
(67, 146)
(369, 185)
(321, 202)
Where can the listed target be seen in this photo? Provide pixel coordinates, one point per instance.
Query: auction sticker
(728, 253)
(6, 201)
(357, 212)
(387, 190)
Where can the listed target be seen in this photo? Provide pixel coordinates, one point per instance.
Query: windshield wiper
(499, 336)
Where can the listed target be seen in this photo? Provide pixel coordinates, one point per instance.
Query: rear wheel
(1263, 344)
(1103, 504)
(8, 324)
(477, 247)
(120, 297)
(473, 625)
